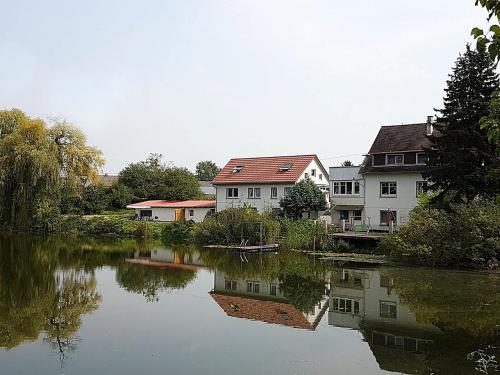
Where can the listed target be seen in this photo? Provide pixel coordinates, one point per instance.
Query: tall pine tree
(462, 159)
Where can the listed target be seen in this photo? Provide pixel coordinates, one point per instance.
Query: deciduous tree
(304, 197)
(206, 170)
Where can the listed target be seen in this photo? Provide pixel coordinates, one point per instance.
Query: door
(179, 214)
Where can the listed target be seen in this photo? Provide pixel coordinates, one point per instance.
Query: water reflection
(413, 321)
(265, 300)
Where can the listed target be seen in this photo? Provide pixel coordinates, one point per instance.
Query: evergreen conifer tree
(462, 159)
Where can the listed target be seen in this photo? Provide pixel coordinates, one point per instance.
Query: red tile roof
(397, 138)
(272, 312)
(174, 204)
(265, 170)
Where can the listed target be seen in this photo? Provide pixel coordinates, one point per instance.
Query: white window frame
(387, 305)
(254, 287)
(419, 190)
(233, 284)
(340, 305)
(389, 194)
(421, 154)
(394, 215)
(313, 172)
(286, 190)
(230, 193)
(254, 193)
(191, 212)
(345, 186)
(274, 189)
(395, 159)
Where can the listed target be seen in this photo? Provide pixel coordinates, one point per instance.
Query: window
(388, 189)
(357, 215)
(388, 309)
(344, 215)
(313, 172)
(230, 285)
(231, 192)
(306, 175)
(273, 289)
(345, 305)
(421, 185)
(356, 188)
(253, 287)
(287, 190)
(274, 193)
(421, 158)
(191, 212)
(238, 168)
(394, 159)
(254, 193)
(320, 176)
(387, 216)
(345, 188)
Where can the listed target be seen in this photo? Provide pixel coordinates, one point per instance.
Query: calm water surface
(79, 307)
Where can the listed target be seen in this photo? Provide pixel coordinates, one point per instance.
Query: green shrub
(230, 226)
(466, 236)
(303, 234)
(178, 232)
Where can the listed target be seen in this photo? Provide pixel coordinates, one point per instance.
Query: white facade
(405, 199)
(266, 201)
(365, 204)
(197, 214)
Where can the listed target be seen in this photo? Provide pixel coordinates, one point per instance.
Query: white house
(262, 181)
(386, 186)
(159, 210)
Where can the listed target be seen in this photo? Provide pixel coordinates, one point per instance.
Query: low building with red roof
(161, 210)
(261, 182)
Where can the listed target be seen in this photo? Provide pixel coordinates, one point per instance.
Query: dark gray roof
(400, 138)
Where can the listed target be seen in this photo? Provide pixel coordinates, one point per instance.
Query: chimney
(430, 128)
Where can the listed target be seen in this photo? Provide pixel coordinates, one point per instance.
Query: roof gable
(400, 138)
(270, 169)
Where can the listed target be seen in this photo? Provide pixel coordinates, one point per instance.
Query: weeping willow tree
(36, 162)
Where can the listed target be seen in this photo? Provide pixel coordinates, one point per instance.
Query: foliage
(304, 197)
(302, 234)
(178, 232)
(206, 170)
(346, 163)
(36, 162)
(233, 225)
(302, 292)
(119, 196)
(150, 281)
(461, 158)
(151, 179)
(466, 236)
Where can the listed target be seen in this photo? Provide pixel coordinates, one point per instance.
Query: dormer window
(421, 158)
(286, 167)
(237, 169)
(394, 159)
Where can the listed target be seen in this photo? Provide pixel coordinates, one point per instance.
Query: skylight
(285, 167)
(237, 168)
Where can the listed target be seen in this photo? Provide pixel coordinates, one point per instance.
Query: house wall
(241, 288)
(346, 202)
(264, 203)
(199, 214)
(403, 203)
(159, 213)
(168, 214)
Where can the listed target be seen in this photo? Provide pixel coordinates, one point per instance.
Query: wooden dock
(360, 235)
(163, 265)
(272, 248)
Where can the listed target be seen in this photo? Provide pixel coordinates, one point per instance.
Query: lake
(79, 306)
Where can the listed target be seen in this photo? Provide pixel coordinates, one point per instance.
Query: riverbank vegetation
(467, 235)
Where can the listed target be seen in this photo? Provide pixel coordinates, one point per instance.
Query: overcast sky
(215, 79)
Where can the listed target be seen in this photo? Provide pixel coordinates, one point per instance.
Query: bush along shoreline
(465, 236)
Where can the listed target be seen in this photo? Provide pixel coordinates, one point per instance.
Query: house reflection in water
(363, 299)
(258, 299)
(170, 258)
